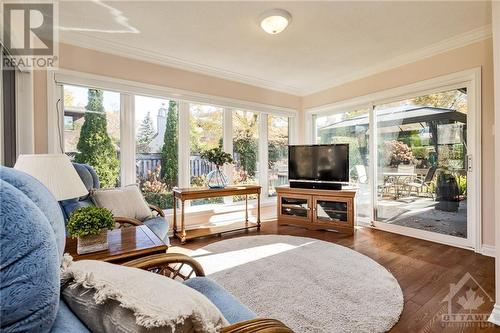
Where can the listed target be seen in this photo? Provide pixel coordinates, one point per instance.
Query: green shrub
(169, 150)
(162, 200)
(89, 221)
(462, 184)
(95, 146)
(420, 152)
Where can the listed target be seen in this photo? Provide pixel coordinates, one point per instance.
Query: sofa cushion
(159, 225)
(98, 292)
(124, 202)
(42, 198)
(232, 309)
(67, 321)
(29, 261)
(88, 176)
(69, 206)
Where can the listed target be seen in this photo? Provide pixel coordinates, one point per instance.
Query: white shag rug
(310, 285)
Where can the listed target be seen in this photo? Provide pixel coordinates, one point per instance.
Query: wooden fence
(146, 162)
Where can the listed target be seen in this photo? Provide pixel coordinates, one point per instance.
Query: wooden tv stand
(316, 209)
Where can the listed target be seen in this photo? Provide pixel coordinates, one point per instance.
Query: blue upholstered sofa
(32, 239)
(158, 224)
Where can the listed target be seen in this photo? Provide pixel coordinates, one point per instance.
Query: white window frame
(471, 79)
(128, 89)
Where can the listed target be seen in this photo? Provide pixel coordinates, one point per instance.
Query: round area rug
(310, 285)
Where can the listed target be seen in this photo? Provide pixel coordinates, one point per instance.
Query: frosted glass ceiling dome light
(275, 21)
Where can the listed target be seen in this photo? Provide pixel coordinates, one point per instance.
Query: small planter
(93, 243)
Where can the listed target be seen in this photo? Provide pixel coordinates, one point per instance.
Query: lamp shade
(56, 172)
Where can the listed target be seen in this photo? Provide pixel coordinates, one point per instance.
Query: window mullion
(183, 144)
(127, 139)
(263, 154)
(228, 140)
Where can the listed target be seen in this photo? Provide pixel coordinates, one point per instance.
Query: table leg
(174, 207)
(246, 209)
(183, 227)
(258, 211)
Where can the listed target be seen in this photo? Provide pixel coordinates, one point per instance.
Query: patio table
(397, 176)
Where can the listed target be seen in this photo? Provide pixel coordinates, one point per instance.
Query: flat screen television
(323, 163)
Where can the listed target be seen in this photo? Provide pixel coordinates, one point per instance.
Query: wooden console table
(184, 194)
(316, 209)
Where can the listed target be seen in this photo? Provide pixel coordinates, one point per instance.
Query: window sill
(221, 208)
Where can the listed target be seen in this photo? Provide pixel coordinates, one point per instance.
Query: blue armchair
(158, 223)
(32, 239)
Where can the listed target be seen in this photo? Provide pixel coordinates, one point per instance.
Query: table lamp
(56, 172)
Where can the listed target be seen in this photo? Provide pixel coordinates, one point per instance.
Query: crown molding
(115, 48)
(452, 43)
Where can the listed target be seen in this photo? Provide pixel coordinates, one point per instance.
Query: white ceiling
(326, 44)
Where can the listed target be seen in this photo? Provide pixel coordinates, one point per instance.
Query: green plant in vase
(216, 178)
(90, 225)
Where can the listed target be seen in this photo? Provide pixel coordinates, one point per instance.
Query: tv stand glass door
(296, 206)
(334, 211)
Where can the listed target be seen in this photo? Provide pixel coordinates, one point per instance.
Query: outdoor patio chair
(420, 183)
(384, 185)
(361, 174)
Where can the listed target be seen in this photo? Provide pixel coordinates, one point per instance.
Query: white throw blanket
(155, 300)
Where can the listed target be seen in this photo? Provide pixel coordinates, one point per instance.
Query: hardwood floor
(424, 270)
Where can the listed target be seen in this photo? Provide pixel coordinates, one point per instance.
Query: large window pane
(156, 134)
(92, 130)
(352, 128)
(245, 149)
(205, 132)
(277, 152)
(422, 176)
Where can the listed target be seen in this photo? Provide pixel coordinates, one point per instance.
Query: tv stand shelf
(316, 209)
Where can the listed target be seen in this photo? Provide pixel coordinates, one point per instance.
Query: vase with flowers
(216, 178)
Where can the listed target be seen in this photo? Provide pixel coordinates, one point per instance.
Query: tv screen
(319, 162)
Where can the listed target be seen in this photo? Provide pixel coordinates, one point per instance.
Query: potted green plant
(216, 178)
(90, 225)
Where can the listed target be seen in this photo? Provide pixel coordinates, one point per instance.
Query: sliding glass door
(411, 162)
(351, 127)
(422, 163)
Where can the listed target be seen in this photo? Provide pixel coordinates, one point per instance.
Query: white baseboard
(495, 315)
(488, 250)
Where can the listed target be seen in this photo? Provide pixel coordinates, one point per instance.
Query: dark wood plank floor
(424, 270)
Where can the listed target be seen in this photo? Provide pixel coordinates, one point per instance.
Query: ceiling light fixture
(275, 21)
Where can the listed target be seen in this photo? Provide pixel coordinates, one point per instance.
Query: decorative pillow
(29, 262)
(113, 298)
(125, 202)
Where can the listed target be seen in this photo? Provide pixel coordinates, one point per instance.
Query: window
(277, 137)
(156, 149)
(92, 130)
(352, 128)
(245, 147)
(205, 132)
(140, 134)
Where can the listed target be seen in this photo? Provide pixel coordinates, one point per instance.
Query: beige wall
(94, 62)
(471, 56)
